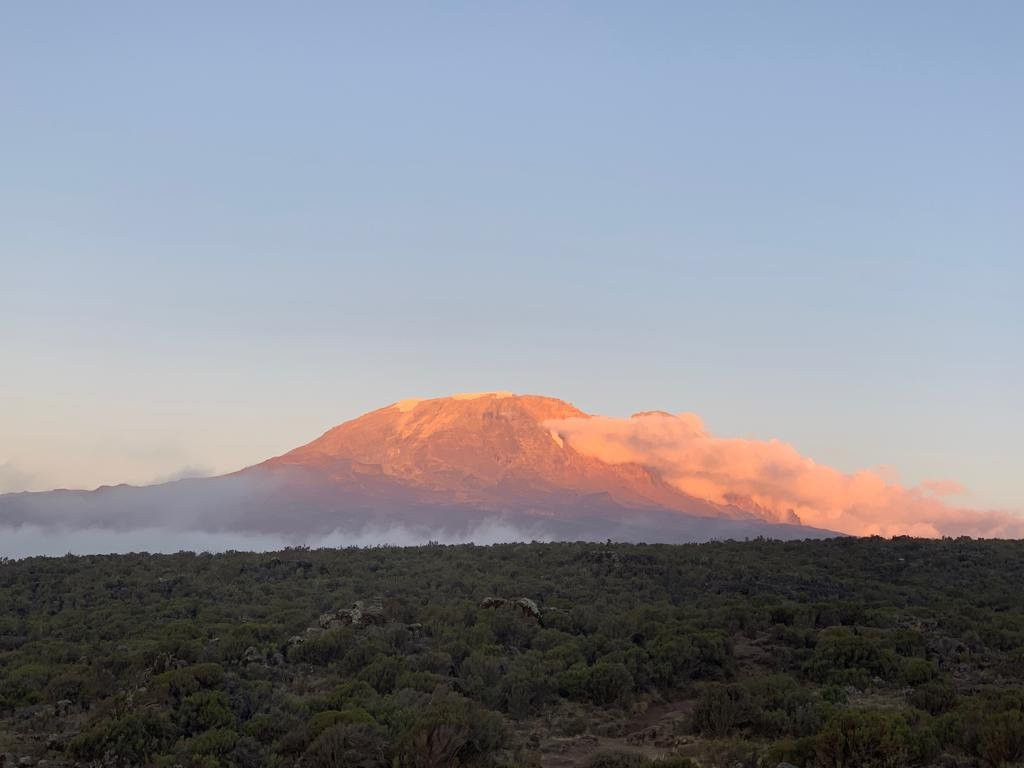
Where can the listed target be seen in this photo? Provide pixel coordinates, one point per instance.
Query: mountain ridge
(448, 464)
(485, 448)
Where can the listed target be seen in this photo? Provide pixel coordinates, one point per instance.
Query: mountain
(439, 468)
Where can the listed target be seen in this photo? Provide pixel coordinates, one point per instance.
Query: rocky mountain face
(490, 450)
(440, 468)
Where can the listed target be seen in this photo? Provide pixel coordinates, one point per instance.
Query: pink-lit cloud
(772, 479)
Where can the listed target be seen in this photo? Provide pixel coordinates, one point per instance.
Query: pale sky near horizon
(226, 227)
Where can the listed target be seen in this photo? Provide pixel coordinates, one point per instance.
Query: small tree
(1001, 739)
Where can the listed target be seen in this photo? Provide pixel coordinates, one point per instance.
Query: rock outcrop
(527, 607)
(362, 614)
(370, 613)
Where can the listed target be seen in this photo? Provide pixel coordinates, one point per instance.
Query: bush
(481, 677)
(449, 726)
(323, 647)
(125, 741)
(526, 686)
(800, 751)
(176, 684)
(205, 710)
(934, 698)
(1001, 739)
(609, 683)
(618, 759)
(572, 683)
(218, 741)
(729, 753)
(123, 638)
(919, 671)
(864, 738)
(779, 706)
(321, 721)
(356, 693)
(382, 673)
(844, 657)
(23, 685)
(265, 728)
(358, 745)
(720, 709)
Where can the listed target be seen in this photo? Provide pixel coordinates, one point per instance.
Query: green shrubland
(835, 654)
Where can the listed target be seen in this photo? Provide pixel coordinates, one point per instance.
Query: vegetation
(839, 653)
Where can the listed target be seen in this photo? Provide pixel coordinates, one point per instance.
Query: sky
(227, 227)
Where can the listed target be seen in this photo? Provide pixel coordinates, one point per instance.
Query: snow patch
(411, 402)
(477, 395)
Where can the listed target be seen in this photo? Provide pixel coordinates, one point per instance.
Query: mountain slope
(441, 468)
(491, 450)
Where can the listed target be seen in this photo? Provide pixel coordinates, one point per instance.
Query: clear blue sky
(226, 226)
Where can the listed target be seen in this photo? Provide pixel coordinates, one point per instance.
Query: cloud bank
(35, 540)
(259, 512)
(772, 480)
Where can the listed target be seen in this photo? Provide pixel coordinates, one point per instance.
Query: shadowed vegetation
(837, 653)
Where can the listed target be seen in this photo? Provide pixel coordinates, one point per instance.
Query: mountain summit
(440, 468)
(490, 449)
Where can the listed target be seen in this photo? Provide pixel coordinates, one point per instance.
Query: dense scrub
(831, 653)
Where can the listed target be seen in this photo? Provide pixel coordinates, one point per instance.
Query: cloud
(240, 512)
(35, 540)
(270, 510)
(182, 474)
(14, 478)
(772, 479)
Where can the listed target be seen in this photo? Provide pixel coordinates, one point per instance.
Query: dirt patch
(654, 733)
(751, 656)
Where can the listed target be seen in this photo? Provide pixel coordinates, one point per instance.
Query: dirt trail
(650, 734)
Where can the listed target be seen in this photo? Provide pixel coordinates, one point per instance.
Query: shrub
(572, 683)
(321, 721)
(935, 697)
(801, 751)
(845, 657)
(350, 745)
(449, 726)
(609, 683)
(352, 693)
(864, 738)
(128, 740)
(526, 686)
(217, 741)
(618, 759)
(1001, 739)
(780, 706)
(382, 673)
(919, 671)
(720, 709)
(673, 762)
(24, 684)
(264, 728)
(323, 647)
(205, 710)
(176, 684)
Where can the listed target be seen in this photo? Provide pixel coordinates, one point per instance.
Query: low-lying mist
(34, 540)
